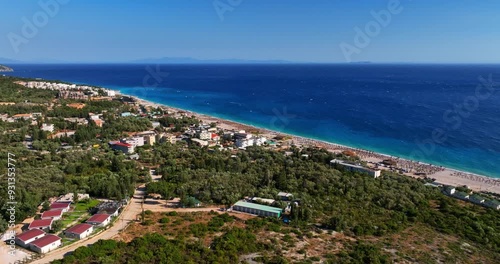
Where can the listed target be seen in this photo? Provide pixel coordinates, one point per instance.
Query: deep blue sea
(440, 114)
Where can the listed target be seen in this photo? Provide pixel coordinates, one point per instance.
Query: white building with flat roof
(134, 141)
(244, 142)
(205, 135)
(47, 127)
(356, 168)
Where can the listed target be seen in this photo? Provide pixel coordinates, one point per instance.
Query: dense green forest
(50, 172)
(354, 204)
(40, 176)
(12, 92)
(350, 202)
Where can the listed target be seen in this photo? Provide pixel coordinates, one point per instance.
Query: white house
(113, 211)
(64, 206)
(54, 214)
(43, 224)
(99, 220)
(29, 236)
(45, 244)
(93, 116)
(205, 135)
(155, 124)
(47, 127)
(244, 142)
(79, 231)
(259, 141)
(111, 93)
(134, 141)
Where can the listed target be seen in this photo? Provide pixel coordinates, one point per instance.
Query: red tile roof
(52, 213)
(98, 218)
(46, 240)
(30, 234)
(122, 144)
(59, 205)
(40, 223)
(78, 229)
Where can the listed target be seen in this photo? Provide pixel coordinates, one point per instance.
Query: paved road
(129, 214)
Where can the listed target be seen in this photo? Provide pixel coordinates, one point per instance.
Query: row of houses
(473, 198)
(37, 240)
(63, 87)
(11, 119)
(48, 217)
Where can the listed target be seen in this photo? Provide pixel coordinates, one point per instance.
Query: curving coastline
(415, 169)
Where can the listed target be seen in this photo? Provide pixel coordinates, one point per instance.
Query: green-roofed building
(257, 209)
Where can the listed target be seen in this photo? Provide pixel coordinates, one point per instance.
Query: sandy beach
(442, 175)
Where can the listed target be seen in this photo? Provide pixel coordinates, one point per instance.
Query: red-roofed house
(43, 224)
(62, 206)
(98, 122)
(123, 147)
(29, 236)
(55, 214)
(46, 243)
(99, 220)
(79, 231)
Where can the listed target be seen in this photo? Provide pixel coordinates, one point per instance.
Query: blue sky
(306, 31)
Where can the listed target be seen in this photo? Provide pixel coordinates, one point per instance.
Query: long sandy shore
(442, 175)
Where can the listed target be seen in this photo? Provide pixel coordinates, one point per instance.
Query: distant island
(5, 69)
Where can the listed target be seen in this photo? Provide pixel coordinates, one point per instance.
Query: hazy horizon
(382, 31)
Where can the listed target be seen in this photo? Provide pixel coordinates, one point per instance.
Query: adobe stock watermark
(31, 26)
(454, 118)
(223, 6)
(281, 119)
(154, 77)
(11, 202)
(364, 36)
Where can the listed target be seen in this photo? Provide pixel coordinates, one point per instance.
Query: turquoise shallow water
(392, 109)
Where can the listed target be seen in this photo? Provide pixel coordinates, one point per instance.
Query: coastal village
(79, 216)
